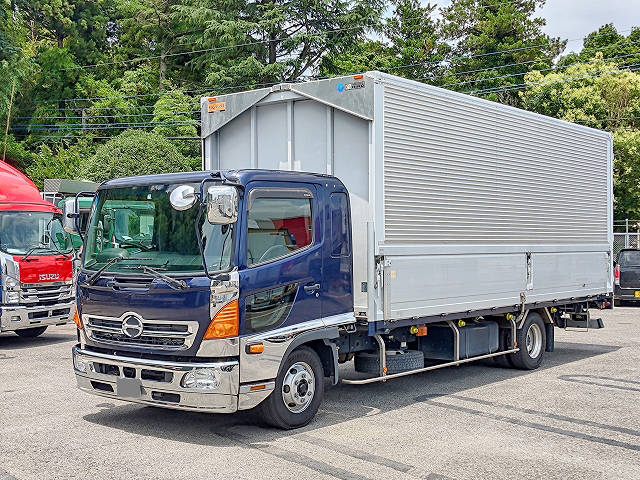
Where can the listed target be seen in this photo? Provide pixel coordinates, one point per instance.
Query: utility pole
(6, 132)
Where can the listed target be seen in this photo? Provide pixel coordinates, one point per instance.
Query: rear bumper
(20, 317)
(104, 374)
(626, 294)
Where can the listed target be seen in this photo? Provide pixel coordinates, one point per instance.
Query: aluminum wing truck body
(471, 205)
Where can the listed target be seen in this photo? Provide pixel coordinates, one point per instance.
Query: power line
(564, 80)
(453, 59)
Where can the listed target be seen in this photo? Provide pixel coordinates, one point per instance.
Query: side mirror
(70, 214)
(222, 205)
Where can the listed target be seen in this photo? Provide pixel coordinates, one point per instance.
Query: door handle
(312, 288)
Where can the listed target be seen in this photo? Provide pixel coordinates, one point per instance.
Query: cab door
(281, 250)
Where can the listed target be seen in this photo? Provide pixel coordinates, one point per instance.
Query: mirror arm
(199, 238)
(76, 216)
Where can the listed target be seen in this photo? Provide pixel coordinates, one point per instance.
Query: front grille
(166, 335)
(146, 341)
(45, 293)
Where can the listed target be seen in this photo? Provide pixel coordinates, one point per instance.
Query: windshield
(21, 232)
(140, 224)
(629, 258)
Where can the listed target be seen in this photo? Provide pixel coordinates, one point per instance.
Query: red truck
(36, 259)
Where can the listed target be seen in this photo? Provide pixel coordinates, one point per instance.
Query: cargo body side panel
(483, 203)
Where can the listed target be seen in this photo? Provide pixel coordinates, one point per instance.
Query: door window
(278, 226)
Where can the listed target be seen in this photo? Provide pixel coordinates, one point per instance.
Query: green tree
(150, 28)
(173, 115)
(411, 47)
(607, 42)
(480, 29)
(258, 41)
(134, 153)
(626, 173)
(58, 161)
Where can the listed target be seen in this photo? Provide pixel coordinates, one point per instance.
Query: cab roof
(18, 193)
(241, 177)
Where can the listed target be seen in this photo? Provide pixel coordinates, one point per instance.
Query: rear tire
(532, 341)
(31, 332)
(504, 343)
(301, 378)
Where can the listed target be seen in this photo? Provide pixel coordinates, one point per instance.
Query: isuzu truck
(370, 219)
(36, 259)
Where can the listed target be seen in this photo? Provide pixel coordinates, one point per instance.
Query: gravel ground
(578, 416)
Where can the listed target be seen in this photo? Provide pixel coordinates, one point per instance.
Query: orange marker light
(225, 323)
(358, 77)
(257, 387)
(212, 99)
(422, 331)
(257, 348)
(76, 319)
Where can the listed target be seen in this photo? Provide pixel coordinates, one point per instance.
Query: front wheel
(31, 332)
(298, 392)
(532, 342)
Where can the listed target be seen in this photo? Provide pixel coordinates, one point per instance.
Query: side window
(339, 225)
(277, 227)
(267, 309)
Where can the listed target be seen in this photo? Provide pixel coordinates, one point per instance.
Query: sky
(574, 19)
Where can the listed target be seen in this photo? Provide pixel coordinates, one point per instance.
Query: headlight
(11, 297)
(202, 378)
(79, 364)
(11, 283)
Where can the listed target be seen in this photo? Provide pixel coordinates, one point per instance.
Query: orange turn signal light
(255, 348)
(76, 319)
(422, 331)
(256, 388)
(225, 322)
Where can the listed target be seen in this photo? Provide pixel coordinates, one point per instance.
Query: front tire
(298, 392)
(532, 341)
(31, 332)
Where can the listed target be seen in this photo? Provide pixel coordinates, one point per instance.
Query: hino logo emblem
(132, 326)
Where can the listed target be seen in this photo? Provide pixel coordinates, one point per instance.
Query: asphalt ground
(578, 416)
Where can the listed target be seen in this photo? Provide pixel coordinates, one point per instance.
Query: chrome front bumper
(19, 317)
(158, 382)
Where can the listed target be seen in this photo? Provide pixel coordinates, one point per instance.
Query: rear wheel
(531, 340)
(505, 342)
(298, 392)
(31, 332)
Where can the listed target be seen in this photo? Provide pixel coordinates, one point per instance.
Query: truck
(367, 219)
(36, 259)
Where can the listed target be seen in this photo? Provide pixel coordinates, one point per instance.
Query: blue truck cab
(210, 291)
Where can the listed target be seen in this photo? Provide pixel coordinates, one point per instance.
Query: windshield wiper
(46, 248)
(172, 282)
(113, 261)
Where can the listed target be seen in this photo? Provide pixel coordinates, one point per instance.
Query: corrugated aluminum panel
(475, 173)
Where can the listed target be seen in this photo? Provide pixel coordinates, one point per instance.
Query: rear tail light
(617, 275)
(225, 323)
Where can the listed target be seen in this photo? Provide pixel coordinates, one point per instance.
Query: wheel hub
(298, 387)
(534, 340)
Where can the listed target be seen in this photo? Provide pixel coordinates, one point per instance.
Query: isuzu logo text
(49, 276)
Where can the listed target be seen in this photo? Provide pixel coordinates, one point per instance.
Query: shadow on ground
(11, 341)
(342, 403)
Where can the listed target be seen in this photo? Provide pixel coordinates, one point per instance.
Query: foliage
(134, 153)
(481, 29)
(257, 41)
(626, 173)
(16, 153)
(173, 116)
(59, 162)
